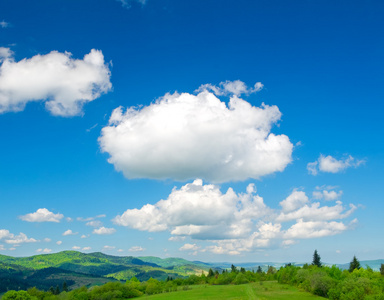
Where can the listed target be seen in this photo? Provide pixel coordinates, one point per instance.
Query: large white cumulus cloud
(64, 83)
(186, 136)
(236, 222)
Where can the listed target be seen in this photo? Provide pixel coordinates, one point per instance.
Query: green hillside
(78, 269)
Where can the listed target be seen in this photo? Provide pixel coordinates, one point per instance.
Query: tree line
(329, 282)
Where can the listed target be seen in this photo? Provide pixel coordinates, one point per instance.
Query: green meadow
(265, 291)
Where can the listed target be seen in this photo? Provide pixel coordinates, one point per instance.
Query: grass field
(265, 291)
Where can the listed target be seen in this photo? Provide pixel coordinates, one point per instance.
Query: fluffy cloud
(95, 223)
(42, 215)
(200, 211)
(46, 250)
(59, 242)
(327, 193)
(294, 201)
(136, 249)
(69, 232)
(86, 248)
(314, 229)
(4, 24)
(19, 239)
(330, 164)
(106, 247)
(189, 247)
(236, 223)
(127, 3)
(185, 136)
(13, 239)
(104, 231)
(236, 88)
(64, 83)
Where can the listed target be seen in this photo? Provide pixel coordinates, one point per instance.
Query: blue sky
(209, 130)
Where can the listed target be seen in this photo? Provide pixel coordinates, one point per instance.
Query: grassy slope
(266, 291)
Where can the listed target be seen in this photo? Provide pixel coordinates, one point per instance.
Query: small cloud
(94, 223)
(59, 243)
(69, 232)
(104, 231)
(106, 247)
(127, 3)
(46, 250)
(329, 164)
(84, 236)
(189, 247)
(236, 87)
(120, 250)
(42, 215)
(47, 240)
(176, 238)
(327, 195)
(87, 248)
(76, 248)
(4, 24)
(338, 251)
(19, 239)
(136, 249)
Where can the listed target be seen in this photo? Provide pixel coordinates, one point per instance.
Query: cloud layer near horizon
(186, 136)
(63, 83)
(237, 223)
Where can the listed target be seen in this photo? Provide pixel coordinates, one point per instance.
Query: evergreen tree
(354, 264)
(65, 286)
(382, 269)
(259, 270)
(210, 273)
(57, 290)
(316, 259)
(233, 269)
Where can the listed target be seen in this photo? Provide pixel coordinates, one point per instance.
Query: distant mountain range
(78, 269)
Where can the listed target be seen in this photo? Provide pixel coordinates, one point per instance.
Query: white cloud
(326, 194)
(294, 201)
(47, 240)
(136, 249)
(189, 247)
(19, 239)
(45, 250)
(185, 136)
(236, 88)
(4, 24)
(87, 248)
(94, 223)
(104, 231)
(2, 248)
(177, 238)
(84, 236)
(330, 164)
(236, 223)
(76, 248)
(64, 83)
(314, 229)
(198, 210)
(69, 232)
(59, 243)
(5, 53)
(127, 3)
(106, 247)
(42, 215)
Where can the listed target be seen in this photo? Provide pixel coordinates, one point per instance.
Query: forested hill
(87, 269)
